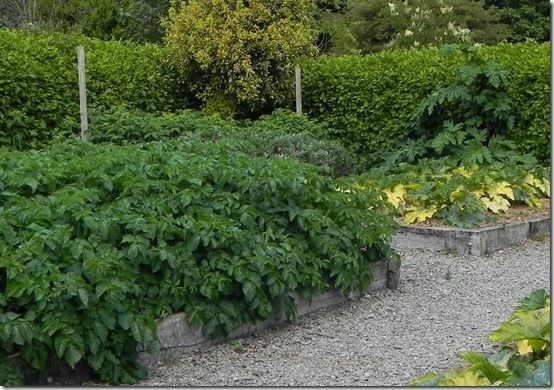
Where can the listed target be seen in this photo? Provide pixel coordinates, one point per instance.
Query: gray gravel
(445, 304)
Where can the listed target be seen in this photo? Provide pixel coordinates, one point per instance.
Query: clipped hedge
(366, 100)
(97, 241)
(39, 89)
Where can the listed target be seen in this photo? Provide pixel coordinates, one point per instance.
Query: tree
(334, 35)
(383, 24)
(241, 52)
(526, 19)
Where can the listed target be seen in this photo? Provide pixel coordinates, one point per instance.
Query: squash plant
(523, 360)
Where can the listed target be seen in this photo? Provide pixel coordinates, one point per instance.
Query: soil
(515, 213)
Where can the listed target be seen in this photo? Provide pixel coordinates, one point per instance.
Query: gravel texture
(445, 304)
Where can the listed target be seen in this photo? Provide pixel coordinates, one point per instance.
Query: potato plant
(98, 241)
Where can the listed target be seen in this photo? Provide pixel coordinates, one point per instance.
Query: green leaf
(108, 318)
(21, 332)
(480, 363)
(36, 355)
(73, 353)
(32, 183)
(60, 345)
(427, 380)
(523, 325)
(124, 319)
(83, 296)
(536, 300)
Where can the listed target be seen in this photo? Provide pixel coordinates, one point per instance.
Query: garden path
(444, 305)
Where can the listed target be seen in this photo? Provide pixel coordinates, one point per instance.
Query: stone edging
(475, 242)
(177, 336)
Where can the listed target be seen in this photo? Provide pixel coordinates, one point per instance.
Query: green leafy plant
(523, 360)
(279, 135)
(98, 241)
(367, 100)
(461, 119)
(463, 196)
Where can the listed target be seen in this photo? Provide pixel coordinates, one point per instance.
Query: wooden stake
(298, 79)
(82, 92)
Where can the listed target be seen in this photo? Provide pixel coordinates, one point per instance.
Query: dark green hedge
(39, 90)
(367, 99)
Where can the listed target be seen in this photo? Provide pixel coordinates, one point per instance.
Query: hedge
(39, 90)
(367, 99)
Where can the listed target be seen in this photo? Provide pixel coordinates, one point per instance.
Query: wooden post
(82, 92)
(298, 82)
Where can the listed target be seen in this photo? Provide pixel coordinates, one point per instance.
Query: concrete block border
(475, 242)
(177, 336)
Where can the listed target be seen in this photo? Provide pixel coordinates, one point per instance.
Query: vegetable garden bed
(177, 336)
(476, 242)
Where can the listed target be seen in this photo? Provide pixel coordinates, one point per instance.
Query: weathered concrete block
(475, 242)
(177, 336)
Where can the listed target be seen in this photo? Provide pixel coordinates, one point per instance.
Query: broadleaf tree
(240, 52)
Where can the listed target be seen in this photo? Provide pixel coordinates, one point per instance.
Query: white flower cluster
(458, 30)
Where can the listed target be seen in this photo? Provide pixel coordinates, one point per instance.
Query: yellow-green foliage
(244, 49)
(460, 196)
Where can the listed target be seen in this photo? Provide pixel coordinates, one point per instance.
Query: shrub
(39, 89)
(280, 135)
(523, 360)
(289, 122)
(120, 125)
(464, 120)
(463, 196)
(97, 241)
(244, 51)
(367, 100)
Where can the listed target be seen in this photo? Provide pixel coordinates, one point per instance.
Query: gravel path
(444, 305)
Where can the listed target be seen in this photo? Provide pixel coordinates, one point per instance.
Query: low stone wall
(177, 336)
(475, 242)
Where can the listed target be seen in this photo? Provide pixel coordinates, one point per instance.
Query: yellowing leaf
(523, 347)
(469, 378)
(395, 196)
(478, 193)
(501, 188)
(532, 182)
(464, 171)
(533, 202)
(457, 194)
(496, 204)
(545, 187)
(359, 186)
(419, 215)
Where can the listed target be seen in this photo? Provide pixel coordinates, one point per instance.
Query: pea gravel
(445, 304)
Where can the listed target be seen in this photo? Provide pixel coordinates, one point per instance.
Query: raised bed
(475, 242)
(177, 336)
